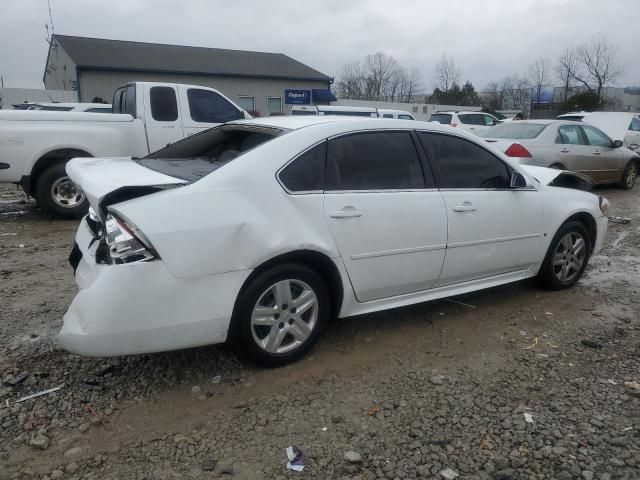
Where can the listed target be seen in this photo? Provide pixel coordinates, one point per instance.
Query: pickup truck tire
(56, 194)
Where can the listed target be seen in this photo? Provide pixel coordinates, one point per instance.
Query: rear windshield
(443, 118)
(515, 130)
(349, 113)
(197, 156)
(55, 109)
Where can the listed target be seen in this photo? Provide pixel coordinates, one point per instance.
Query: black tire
(629, 175)
(76, 206)
(243, 334)
(549, 276)
(557, 166)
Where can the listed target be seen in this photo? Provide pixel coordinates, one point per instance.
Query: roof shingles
(97, 53)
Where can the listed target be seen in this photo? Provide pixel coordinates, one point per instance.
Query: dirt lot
(500, 388)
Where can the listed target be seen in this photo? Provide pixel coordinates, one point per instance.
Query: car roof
(294, 122)
(461, 111)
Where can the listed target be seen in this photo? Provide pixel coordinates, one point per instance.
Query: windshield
(197, 156)
(515, 130)
(443, 118)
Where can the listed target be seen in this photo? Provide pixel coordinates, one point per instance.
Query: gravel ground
(512, 383)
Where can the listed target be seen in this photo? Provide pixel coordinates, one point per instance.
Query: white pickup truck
(36, 145)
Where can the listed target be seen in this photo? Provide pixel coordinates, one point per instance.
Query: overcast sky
(488, 39)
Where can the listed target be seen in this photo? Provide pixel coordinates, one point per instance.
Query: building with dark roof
(266, 82)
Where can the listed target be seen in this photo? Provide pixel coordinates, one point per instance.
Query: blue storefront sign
(297, 97)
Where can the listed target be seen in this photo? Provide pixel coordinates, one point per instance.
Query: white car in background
(399, 114)
(334, 110)
(258, 232)
(72, 107)
(474, 122)
(632, 134)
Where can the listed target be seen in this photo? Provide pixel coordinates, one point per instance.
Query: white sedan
(258, 232)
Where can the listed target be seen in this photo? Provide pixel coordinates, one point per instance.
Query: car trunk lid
(116, 179)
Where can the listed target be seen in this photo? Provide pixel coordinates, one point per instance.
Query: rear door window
(468, 119)
(634, 125)
(373, 161)
(569, 135)
(461, 164)
(207, 106)
(164, 104)
(306, 173)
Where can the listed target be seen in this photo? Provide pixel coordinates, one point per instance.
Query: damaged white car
(258, 232)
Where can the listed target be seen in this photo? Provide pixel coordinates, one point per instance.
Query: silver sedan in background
(567, 145)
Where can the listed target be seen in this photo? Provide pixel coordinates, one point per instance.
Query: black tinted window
(467, 119)
(164, 106)
(209, 107)
(372, 161)
(463, 164)
(306, 173)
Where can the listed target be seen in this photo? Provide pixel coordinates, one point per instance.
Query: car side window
(466, 119)
(569, 135)
(373, 161)
(164, 105)
(460, 163)
(387, 115)
(209, 107)
(306, 173)
(595, 137)
(488, 120)
(635, 125)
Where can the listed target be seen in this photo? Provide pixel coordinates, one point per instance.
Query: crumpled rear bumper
(142, 308)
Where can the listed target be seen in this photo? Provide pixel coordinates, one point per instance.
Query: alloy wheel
(65, 193)
(284, 316)
(630, 178)
(569, 257)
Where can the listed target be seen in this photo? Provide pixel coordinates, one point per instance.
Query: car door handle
(596, 152)
(346, 212)
(565, 150)
(465, 207)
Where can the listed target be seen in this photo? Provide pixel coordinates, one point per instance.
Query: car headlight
(604, 205)
(126, 243)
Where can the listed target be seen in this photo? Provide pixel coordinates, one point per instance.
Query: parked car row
(258, 232)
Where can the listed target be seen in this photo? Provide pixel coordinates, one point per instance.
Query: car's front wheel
(566, 258)
(629, 175)
(280, 314)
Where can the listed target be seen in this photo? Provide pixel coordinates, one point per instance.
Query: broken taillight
(126, 243)
(517, 150)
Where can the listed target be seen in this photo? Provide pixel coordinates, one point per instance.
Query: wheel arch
(53, 157)
(589, 222)
(318, 261)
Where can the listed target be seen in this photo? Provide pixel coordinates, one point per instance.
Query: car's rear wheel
(629, 175)
(280, 314)
(566, 258)
(58, 195)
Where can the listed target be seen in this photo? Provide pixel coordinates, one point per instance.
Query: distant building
(266, 82)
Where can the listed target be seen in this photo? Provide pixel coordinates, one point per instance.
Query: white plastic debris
(449, 474)
(38, 394)
(216, 379)
(528, 417)
(296, 459)
(324, 429)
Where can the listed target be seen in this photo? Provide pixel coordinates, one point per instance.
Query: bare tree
(515, 92)
(381, 69)
(566, 69)
(352, 82)
(493, 96)
(598, 58)
(408, 83)
(446, 74)
(540, 75)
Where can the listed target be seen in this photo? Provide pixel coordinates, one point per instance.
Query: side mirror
(517, 180)
(617, 143)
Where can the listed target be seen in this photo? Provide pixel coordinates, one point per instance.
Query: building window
(247, 103)
(425, 109)
(274, 105)
(415, 109)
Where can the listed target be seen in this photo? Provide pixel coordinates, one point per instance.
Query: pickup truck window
(124, 100)
(164, 106)
(209, 107)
